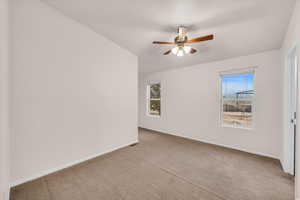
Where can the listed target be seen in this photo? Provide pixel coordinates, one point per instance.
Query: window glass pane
(237, 100)
(155, 91)
(154, 107)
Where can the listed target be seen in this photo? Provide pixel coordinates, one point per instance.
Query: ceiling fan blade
(167, 52)
(157, 42)
(201, 39)
(193, 51)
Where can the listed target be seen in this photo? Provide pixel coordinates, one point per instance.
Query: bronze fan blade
(201, 39)
(193, 51)
(167, 52)
(157, 42)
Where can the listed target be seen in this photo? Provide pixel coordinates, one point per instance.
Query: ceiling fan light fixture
(180, 41)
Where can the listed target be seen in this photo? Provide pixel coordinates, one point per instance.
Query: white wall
(292, 38)
(191, 104)
(74, 93)
(4, 100)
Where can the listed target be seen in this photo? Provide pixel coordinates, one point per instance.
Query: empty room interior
(149, 100)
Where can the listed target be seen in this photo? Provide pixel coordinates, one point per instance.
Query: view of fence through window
(154, 99)
(237, 100)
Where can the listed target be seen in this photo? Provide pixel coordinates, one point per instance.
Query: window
(237, 100)
(153, 99)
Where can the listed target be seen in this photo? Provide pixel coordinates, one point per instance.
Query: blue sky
(237, 83)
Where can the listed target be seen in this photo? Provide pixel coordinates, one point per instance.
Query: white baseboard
(286, 168)
(283, 166)
(214, 143)
(49, 171)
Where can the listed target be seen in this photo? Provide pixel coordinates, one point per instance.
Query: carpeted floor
(168, 168)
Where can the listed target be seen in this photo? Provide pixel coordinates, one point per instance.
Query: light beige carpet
(164, 167)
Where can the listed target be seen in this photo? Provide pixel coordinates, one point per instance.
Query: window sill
(154, 116)
(237, 127)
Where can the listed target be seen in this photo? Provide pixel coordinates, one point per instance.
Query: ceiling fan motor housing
(181, 38)
(180, 41)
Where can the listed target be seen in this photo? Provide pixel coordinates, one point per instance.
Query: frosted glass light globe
(180, 52)
(187, 49)
(175, 50)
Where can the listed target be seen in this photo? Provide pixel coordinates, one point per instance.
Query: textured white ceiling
(241, 27)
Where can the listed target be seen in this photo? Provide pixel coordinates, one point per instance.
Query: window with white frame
(237, 99)
(154, 99)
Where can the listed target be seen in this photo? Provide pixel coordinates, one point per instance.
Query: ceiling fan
(180, 42)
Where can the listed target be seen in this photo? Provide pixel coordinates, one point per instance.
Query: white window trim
(148, 99)
(246, 70)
